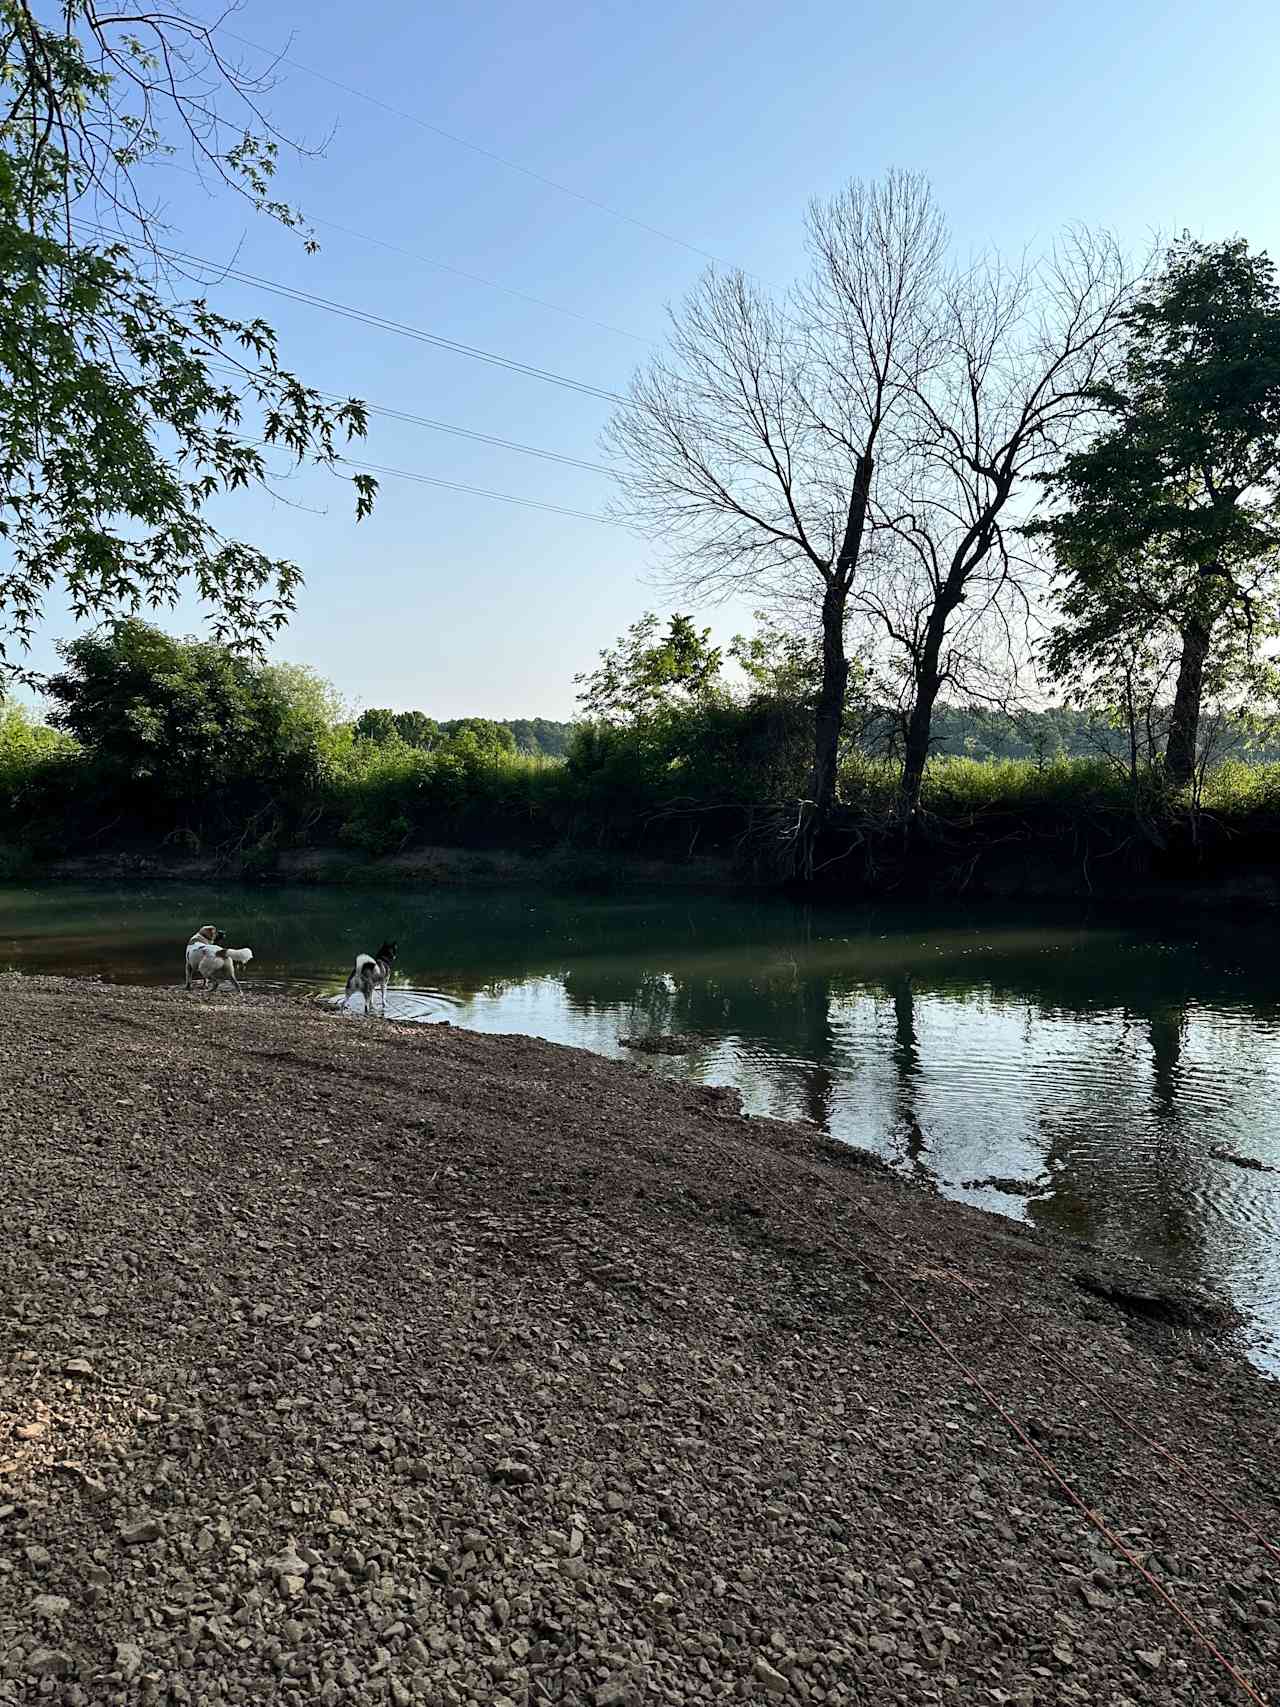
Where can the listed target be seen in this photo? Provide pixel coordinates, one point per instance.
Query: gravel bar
(346, 1361)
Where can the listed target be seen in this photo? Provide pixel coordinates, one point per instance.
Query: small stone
(49, 1662)
(128, 1658)
(1151, 1658)
(773, 1680)
(138, 1534)
(38, 1557)
(77, 1366)
(50, 1606)
(32, 1430)
(615, 1501)
(1064, 1655)
(292, 1585)
(611, 1694)
(512, 1472)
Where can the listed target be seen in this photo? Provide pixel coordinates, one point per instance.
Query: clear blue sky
(715, 122)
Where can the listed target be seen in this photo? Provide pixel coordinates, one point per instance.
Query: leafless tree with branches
(753, 447)
(1019, 353)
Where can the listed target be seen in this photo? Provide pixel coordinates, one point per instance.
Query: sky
(713, 123)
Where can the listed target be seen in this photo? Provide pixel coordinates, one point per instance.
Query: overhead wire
(474, 147)
(368, 317)
(440, 266)
(449, 485)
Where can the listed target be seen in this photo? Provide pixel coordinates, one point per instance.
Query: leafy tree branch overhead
(125, 406)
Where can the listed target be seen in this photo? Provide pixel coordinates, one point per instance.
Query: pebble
(773, 1680)
(139, 1534)
(376, 1407)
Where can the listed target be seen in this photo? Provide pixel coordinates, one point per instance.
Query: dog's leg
(235, 982)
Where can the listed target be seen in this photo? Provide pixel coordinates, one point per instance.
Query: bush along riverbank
(558, 1381)
(173, 759)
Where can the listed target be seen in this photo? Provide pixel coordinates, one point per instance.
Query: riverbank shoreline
(355, 1361)
(1000, 876)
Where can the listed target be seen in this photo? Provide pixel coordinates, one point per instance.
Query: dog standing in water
(209, 960)
(371, 972)
(206, 938)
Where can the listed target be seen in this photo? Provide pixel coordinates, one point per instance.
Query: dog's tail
(363, 960)
(238, 956)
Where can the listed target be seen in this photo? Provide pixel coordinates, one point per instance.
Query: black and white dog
(371, 972)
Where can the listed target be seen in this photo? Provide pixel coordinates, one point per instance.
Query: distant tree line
(535, 737)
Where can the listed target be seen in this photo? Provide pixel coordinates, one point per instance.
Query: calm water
(1077, 1075)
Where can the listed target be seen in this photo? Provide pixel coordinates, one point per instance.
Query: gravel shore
(357, 1362)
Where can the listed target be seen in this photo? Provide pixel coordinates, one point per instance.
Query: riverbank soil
(345, 1361)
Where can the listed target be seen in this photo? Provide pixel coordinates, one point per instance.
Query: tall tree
(753, 445)
(125, 407)
(1170, 520)
(1019, 354)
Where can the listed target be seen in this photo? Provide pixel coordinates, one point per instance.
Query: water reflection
(1079, 1074)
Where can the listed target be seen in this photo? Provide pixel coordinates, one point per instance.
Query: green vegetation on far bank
(179, 750)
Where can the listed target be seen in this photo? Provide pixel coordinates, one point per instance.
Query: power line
(482, 438)
(478, 491)
(474, 147)
(445, 267)
(453, 486)
(366, 317)
(449, 427)
(476, 278)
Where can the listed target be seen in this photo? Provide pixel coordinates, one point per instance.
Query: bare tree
(751, 447)
(1009, 390)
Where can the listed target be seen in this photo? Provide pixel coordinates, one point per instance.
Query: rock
(660, 1043)
(128, 1660)
(773, 1680)
(79, 1366)
(138, 1534)
(38, 1557)
(50, 1606)
(611, 1694)
(1151, 1658)
(512, 1473)
(615, 1501)
(32, 1430)
(50, 1662)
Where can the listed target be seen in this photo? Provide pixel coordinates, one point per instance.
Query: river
(1076, 1073)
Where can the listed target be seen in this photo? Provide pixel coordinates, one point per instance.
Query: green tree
(125, 407)
(479, 736)
(377, 725)
(1170, 520)
(175, 723)
(382, 727)
(650, 670)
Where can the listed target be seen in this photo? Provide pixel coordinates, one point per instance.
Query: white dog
(211, 962)
(207, 937)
